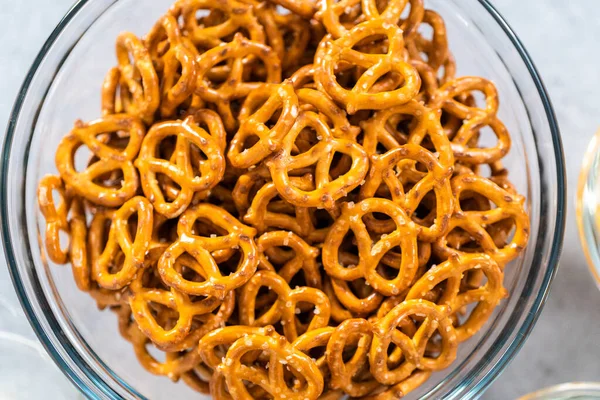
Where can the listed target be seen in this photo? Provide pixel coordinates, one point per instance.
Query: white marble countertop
(561, 37)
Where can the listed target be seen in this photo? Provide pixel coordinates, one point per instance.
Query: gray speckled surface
(561, 36)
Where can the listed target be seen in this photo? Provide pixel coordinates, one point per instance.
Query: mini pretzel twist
(285, 307)
(327, 191)
(55, 215)
(133, 87)
(233, 86)
(108, 159)
(303, 258)
(120, 240)
(356, 333)
(186, 310)
(179, 168)
(436, 179)
(370, 253)
(474, 119)
(78, 252)
(200, 248)
(385, 334)
(178, 56)
(260, 107)
(332, 52)
(281, 356)
(393, 12)
(263, 215)
(485, 297)
(508, 207)
(236, 16)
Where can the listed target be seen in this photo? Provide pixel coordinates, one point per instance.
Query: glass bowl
(64, 84)
(588, 206)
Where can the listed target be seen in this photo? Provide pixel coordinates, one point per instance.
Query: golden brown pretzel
(108, 159)
(235, 15)
(78, 252)
(303, 259)
(200, 248)
(133, 87)
(370, 253)
(281, 356)
(233, 86)
(393, 11)
(357, 332)
(55, 215)
(326, 190)
(360, 97)
(385, 334)
(284, 308)
(508, 206)
(485, 297)
(259, 108)
(180, 55)
(474, 118)
(436, 179)
(120, 240)
(179, 169)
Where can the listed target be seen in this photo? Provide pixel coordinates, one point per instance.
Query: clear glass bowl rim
(476, 390)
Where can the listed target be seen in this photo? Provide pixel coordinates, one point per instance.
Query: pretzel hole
(164, 316)
(321, 219)
(502, 232)
(158, 355)
(378, 224)
(426, 31)
(305, 141)
(487, 137)
(372, 44)
(206, 228)
(168, 187)
(473, 201)
(348, 251)
(305, 312)
(461, 240)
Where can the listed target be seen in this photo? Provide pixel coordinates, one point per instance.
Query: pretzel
(200, 248)
(281, 355)
(371, 253)
(485, 297)
(55, 215)
(474, 119)
(332, 52)
(179, 168)
(326, 191)
(393, 12)
(385, 333)
(284, 309)
(234, 86)
(437, 179)
(436, 49)
(179, 55)
(109, 159)
(235, 16)
(304, 258)
(78, 252)
(119, 239)
(259, 107)
(291, 218)
(342, 373)
(508, 206)
(134, 87)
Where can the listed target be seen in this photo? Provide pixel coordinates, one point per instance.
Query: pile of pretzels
(289, 198)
